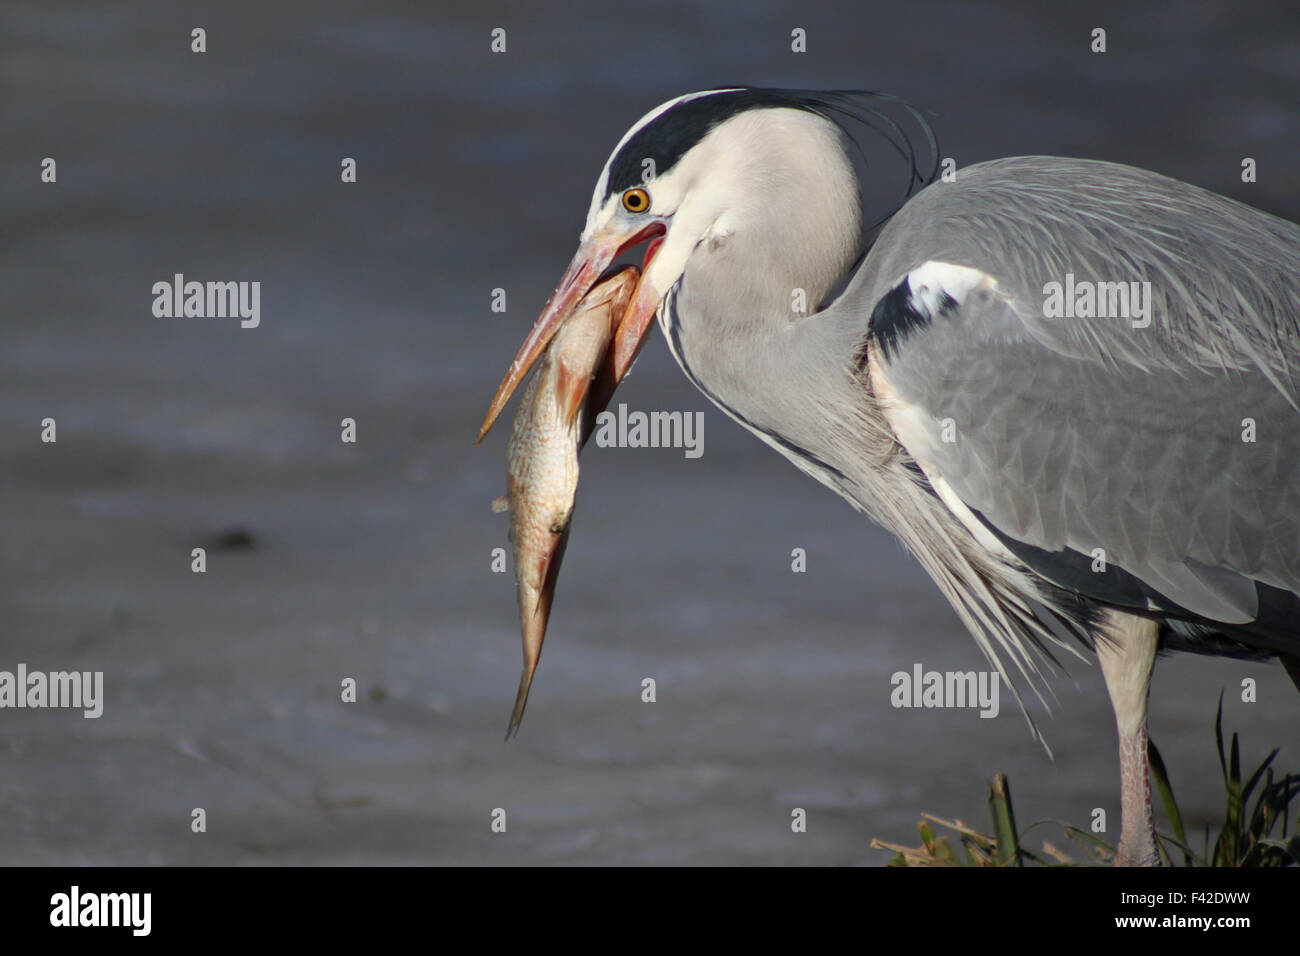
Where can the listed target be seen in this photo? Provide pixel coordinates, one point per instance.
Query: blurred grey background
(372, 560)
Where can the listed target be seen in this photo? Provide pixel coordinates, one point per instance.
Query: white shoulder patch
(932, 281)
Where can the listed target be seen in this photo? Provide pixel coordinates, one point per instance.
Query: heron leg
(1126, 650)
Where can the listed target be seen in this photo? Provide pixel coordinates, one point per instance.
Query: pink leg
(1137, 844)
(1126, 650)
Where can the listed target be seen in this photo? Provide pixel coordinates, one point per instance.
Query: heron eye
(636, 200)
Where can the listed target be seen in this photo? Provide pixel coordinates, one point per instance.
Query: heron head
(737, 178)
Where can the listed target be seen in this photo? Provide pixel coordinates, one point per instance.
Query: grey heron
(1121, 481)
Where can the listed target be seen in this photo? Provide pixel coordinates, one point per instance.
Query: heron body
(1132, 479)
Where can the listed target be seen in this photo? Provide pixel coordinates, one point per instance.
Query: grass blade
(1172, 813)
(1004, 822)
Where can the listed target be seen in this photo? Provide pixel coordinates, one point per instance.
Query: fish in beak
(587, 268)
(570, 388)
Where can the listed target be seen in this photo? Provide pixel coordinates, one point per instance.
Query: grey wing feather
(1091, 434)
(1225, 277)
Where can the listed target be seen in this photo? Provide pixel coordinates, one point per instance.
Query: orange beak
(586, 269)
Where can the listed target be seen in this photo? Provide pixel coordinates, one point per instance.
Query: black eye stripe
(671, 134)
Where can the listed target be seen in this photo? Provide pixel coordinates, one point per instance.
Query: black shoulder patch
(895, 318)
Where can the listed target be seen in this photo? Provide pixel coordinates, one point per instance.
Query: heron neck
(785, 374)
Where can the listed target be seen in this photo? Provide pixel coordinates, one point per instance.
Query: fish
(571, 385)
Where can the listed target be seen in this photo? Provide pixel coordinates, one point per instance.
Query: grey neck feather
(742, 321)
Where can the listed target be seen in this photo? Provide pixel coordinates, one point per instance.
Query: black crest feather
(667, 137)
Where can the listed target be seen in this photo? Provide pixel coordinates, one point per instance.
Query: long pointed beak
(590, 262)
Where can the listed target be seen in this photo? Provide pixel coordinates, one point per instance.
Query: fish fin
(550, 574)
(570, 391)
(501, 503)
(521, 701)
(543, 605)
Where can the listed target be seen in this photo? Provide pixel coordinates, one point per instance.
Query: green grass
(1244, 839)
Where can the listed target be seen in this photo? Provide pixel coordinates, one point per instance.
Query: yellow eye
(636, 200)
